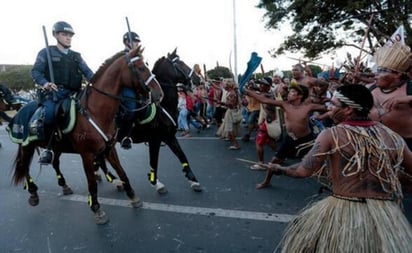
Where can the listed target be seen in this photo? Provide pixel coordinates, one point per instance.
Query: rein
(120, 98)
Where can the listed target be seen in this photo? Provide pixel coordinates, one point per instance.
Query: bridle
(130, 63)
(143, 84)
(176, 62)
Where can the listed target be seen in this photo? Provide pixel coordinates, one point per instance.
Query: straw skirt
(338, 225)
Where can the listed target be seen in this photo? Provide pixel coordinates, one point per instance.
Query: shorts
(262, 136)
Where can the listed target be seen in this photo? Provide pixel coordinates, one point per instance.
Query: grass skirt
(337, 225)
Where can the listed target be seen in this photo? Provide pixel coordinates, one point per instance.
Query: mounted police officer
(68, 69)
(131, 40)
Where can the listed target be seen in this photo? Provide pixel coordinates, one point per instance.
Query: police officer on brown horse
(61, 79)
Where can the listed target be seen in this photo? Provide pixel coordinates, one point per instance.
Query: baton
(49, 62)
(129, 33)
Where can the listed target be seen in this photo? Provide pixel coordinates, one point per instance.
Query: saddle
(28, 124)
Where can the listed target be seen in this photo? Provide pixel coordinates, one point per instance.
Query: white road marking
(218, 212)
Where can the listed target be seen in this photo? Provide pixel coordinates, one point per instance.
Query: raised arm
(318, 107)
(263, 99)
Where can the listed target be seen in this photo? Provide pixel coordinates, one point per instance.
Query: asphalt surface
(230, 215)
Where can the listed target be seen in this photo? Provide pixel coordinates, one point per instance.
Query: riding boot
(47, 155)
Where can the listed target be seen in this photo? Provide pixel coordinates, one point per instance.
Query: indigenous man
(298, 74)
(393, 93)
(299, 136)
(391, 99)
(233, 115)
(362, 159)
(270, 129)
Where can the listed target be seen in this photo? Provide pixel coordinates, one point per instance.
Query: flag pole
(235, 43)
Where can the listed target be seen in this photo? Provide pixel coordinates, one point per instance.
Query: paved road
(230, 215)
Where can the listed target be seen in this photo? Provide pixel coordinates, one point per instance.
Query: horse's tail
(22, 163)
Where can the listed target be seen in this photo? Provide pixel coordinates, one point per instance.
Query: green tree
(219, 72)
(17, 77)
(320, 26)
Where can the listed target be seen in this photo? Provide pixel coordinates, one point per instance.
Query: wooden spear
(363, 44)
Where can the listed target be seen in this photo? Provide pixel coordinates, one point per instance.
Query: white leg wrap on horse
(159, 185)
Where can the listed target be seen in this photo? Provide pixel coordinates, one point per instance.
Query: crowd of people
(356, 132)
(352, 129)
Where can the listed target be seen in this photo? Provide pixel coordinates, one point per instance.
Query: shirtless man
(298, 75)
(299, 137)
(365, 184)
(392, 105)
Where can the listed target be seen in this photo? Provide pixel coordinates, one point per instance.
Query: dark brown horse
(94, 132)
(169, 72)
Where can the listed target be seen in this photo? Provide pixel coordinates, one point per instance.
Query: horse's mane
(108, 62)
(105, 65)
(157, 63)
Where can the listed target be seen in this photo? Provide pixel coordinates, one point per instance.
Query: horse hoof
(119, 185)
(101, 217)
(136, 202)
(67, 190)
(162, 190)
(195, 186)
(34, 200)
(160, 187)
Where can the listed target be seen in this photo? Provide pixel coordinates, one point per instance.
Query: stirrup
(126, 142)
(46, 157)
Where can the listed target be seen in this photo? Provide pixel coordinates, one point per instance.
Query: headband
(347, 101)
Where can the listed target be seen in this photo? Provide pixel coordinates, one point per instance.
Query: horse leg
(22, 166)
(31, 187)
(154, 149)
(100, 162)
(96, 165)
(187, 171)
(99, 215)
(60, 178)
(114, 161)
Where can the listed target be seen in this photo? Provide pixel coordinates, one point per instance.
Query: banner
(397, 36)
(251, 67)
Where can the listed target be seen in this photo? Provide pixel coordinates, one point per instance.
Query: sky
(201, 30)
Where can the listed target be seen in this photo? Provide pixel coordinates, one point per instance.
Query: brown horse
(94, 132)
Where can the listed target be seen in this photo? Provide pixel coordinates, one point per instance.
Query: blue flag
(252, 65)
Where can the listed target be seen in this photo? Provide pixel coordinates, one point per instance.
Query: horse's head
(172, 70)
(127, 70)
(140, 75)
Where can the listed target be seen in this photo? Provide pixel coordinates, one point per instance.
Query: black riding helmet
(135, 37)
(62, 26)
